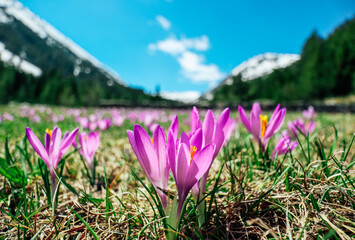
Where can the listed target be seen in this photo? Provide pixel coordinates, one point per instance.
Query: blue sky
(187, 45)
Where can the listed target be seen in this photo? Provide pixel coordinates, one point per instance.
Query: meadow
(306, 192)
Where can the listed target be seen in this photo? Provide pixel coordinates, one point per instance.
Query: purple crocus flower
(89, 145)
(188, 162)
(284, 145)
(92, 126)
(299, 125)
(258, 125)
(309, 114)
(8, 116)
(53, 150)
(152, 156)
(117, 120)
(213, 132)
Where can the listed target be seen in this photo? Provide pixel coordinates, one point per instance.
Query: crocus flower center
(193, 150)
(263, 123)
(49, 132)
(151, 139)
(86, 138)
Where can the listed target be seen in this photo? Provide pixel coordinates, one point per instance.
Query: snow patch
(20, 64)
(263, 64)
(45, 30)
(4, 18)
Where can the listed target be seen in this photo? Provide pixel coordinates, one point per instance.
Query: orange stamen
(193, 150)
(49, 132)
(263, 123)
(151, 139)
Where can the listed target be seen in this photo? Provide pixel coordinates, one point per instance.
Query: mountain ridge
(15, 18)
(255, 67)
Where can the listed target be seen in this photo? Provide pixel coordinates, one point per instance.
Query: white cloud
(170, 45)
(174, 46)
(187, 96)
(164, 23)
(193, 67)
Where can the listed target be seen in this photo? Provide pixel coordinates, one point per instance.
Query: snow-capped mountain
(264, 64)
(34, 46)
(257, 66)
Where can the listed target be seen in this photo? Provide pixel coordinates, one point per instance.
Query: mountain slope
(255, 67)
(326, 69)
(35, 41)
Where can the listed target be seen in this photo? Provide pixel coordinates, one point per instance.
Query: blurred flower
(309, 114)
(299, 125)
(104, 124)
(8, 116)
(117, 120)
(258, 125)
(228, 130)
(284, 145)
(89, 144)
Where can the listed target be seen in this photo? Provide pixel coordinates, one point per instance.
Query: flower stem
(53, 192)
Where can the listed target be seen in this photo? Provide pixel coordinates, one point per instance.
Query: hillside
(40, 64)
(326, 69)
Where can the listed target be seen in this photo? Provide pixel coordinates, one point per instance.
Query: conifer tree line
(53, 88)
(326, 68)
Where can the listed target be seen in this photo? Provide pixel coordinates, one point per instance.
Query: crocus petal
(201, 163)
(293, 145)
(223, 119)
(67, 141)
(195, 120)
(182, 165)
(311, 127)
(185, 139)
(218, 139)
(244, 118)
(196, 139)
(171, 145)
(208, 127)
(38, 146)
(54, 149)
(255, 125)
(84, 150)
(160, 150)
(277, 108)
(164, 166)
(175, 127)
(228, 130)
(256, 109)
(275, 125)
(47, 142)
(146, 151)
(144, 164)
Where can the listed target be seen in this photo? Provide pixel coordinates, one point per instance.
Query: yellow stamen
(49, 132)
(263, 123)
(193, 150)
(86, 138)
(151, 139)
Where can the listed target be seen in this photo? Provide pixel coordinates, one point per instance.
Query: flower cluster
(188, 156)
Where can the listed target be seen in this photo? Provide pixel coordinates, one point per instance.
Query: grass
(306, 194)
